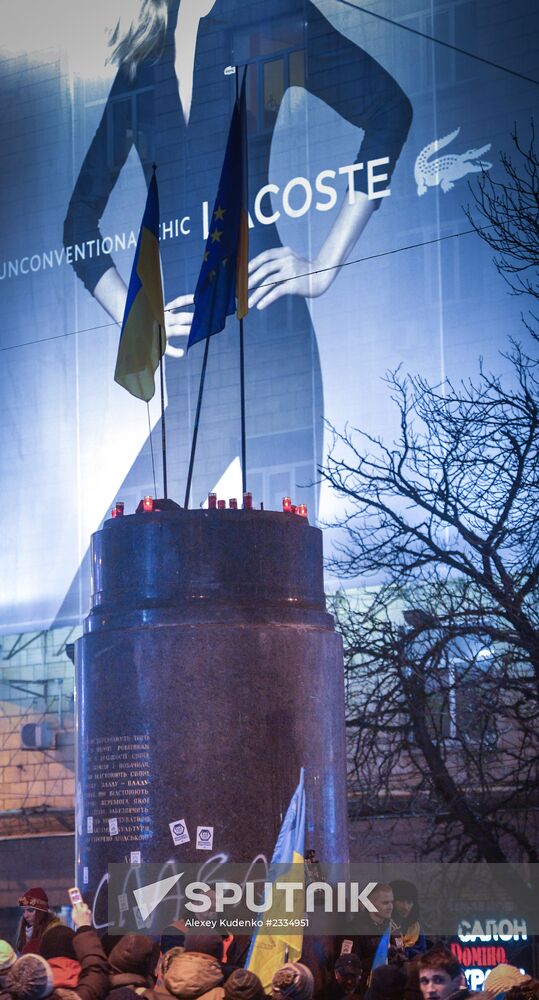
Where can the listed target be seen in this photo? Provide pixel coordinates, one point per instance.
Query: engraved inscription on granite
(118, 781)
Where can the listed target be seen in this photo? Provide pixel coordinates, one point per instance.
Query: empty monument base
(208, 675)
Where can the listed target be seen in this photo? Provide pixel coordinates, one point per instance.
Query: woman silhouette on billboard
(171, 100)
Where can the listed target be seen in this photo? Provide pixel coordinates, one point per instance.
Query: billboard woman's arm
(359, 89)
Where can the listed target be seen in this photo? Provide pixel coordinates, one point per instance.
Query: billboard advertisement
(366, 124)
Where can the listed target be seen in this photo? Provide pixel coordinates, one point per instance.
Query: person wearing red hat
(35, 920)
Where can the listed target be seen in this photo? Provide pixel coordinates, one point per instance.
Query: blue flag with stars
(223, 276)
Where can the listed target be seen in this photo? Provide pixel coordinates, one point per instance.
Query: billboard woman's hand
(280, 271)
(178, 324)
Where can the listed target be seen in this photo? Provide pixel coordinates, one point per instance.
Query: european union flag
(143, 338)
(223, 276)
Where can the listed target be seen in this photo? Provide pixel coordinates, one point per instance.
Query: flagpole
(242, 361)
(242, 408)
(197, 421)
(163, 425)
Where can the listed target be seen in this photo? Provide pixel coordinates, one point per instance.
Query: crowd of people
(51, 960)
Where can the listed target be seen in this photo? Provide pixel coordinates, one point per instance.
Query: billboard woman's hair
(141, 38)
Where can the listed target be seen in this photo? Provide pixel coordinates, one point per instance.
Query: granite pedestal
(208, 674)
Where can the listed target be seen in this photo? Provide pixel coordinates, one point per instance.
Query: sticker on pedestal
(179, 832)
(113, 827)
(135, 858)
(123, 904)
(85, 876)
(89, 824)
(204, 838)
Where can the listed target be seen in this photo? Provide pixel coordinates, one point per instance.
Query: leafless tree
(441, 632)
(505, 214)
(440, 620)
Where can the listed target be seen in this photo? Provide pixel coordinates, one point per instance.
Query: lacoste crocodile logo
(444, 170)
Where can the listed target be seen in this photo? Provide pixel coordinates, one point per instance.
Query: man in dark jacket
(346, 978)
(368, 929)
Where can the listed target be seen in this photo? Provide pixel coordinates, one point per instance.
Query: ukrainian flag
(143, 337)
(381, 953)
(269, 951)
(223, 275)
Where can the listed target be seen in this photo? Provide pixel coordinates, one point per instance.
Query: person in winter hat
(31, 977)
(35, 919)
(243, 985)
(58, 949)
(8, 956)
(133, 962)
(346, 978)
(293, 980)
(196, 973)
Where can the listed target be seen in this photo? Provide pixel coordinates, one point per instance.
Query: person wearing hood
(31, 977)
(243, 985)
(405, 925)
(58, 950)
(133, 962)
(196, 973)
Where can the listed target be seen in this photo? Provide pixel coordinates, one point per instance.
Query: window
(276, 60)
(457, 706)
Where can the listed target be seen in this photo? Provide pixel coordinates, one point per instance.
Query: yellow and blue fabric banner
(223, 276)
(381, 953)
(269, 951)
(143, 337)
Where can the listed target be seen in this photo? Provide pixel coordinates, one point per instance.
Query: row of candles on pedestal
(288, 506)
(146, 505)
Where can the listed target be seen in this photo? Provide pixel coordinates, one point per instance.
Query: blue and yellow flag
(381, 953)
(143, 337)
(223, 276)
(270, 951)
